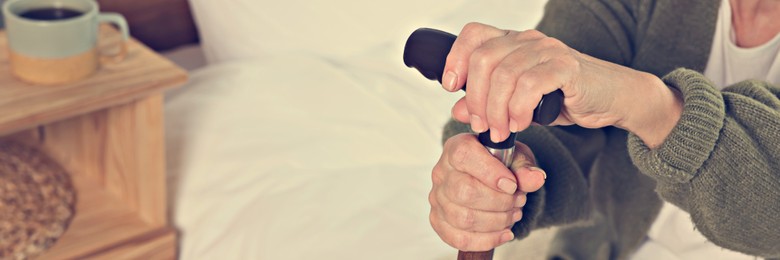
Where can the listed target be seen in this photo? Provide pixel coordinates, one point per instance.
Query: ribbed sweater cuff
(691, 141)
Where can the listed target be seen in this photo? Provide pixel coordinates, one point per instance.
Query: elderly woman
(667, 145)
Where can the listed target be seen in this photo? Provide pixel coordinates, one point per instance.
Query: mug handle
(118, 20)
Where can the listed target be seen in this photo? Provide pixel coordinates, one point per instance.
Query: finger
(471, 37)
(460, 112)
(530, 178)
(531, 86)
(466, 191)
(468, 241)
(465, 154)
(523, 156)
(482, 63)
(502, 86)
(496, 110)
(473, 220)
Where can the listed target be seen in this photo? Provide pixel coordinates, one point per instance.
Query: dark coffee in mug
(53, 42)
(50, 14)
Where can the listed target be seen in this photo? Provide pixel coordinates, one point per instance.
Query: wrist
(654, 110)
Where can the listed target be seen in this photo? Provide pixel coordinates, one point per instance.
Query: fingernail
(477, 125)
(450, 80)
(507, 185)
(494, 136)
(507, 236)
(517, 215)
(537, 169)
(513, 126)
(520, 202)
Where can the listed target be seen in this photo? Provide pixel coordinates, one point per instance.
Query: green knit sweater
(721, 163)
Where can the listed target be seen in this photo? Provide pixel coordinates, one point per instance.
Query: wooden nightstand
(107, 131)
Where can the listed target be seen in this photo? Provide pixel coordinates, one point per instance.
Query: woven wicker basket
(36, 201)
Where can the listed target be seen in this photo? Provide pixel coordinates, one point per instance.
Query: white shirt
(673, 234)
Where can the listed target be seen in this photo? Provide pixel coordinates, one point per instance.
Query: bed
(301, 135)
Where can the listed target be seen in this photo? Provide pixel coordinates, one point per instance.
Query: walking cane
(426, 50)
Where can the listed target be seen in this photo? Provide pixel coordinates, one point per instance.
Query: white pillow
(245, 29)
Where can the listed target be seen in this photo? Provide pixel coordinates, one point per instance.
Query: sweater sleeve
(721, 162)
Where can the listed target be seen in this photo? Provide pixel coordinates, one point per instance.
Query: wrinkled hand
(475, 199)
(507, 72)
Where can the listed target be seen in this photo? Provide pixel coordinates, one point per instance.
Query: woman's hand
(507, 72)
(475, 199)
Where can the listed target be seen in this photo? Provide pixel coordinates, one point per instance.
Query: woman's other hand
(475, 199)
(507, 73)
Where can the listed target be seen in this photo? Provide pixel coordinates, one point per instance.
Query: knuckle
(528, 80)
(449, 143)
(504, 75)
(465, 192)
(432, 220)
(550, 42)
(459, 155)
(522, 108)
(472, 28)
(465, 219)
(481, 57)
(461, 241)
(436, 174)
(436, 225)
(533, 33)
(513, 112)
(432, 199)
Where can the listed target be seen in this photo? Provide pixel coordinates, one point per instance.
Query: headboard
(160, 24)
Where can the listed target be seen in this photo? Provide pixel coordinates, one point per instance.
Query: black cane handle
(426, 50)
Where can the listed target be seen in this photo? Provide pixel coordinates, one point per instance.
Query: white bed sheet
(269, 171)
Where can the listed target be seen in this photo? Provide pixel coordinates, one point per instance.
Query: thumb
(467, 155)
(530, 177)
